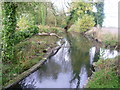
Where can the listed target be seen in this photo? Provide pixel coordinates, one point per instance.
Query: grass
(109, 39)
(48, 29)
(27, 53)
(106, 75)
(105, 35)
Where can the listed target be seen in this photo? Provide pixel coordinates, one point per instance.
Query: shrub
(85, 23)
(24, 22)
(21, 35)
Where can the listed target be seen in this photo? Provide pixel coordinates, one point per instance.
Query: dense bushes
(85, 23)
(21, 35)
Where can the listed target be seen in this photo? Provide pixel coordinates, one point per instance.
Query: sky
(111, 11)
(61, 4)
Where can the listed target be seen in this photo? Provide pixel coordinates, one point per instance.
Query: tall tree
(78, 10)
(100, 13)
(43, 13)
(9, 17)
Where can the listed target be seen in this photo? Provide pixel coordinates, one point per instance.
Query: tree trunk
(9, 22)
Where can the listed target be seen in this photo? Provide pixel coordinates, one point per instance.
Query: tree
(43, 13)
(9, 22)
(100, 13)
(78, 10)
(80, 13)
(85, 23)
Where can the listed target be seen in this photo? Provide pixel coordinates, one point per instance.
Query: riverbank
(107, 36)
(107, 72)
(106, 75)
(29, 52)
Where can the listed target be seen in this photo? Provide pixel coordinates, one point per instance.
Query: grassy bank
(107, 74)
(28, 53)
(108, 36)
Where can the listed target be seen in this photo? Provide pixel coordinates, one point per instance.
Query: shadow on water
(69, 68)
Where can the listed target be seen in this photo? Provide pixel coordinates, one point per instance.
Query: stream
(70, 67)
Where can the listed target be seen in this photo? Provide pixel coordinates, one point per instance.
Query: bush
(21, 35)
(85, 23)
(24, 23)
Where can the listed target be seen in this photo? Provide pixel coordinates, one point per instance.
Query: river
(70, 67)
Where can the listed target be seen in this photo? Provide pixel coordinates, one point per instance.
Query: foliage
(10, 37)
(111, 42)
(24, 22)
(43, 13)
(78, 10)
(37, 11)
(81, 8)
(85, 23)
(21, 35)
(9, 15)
(0, 45)
(99, 15)
(28, 10)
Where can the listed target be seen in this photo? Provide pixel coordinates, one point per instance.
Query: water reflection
(92, 54)
(107, 53)
(56, 71)
(83, 76)
(69, 68)
(96, 53)
(79, 53)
